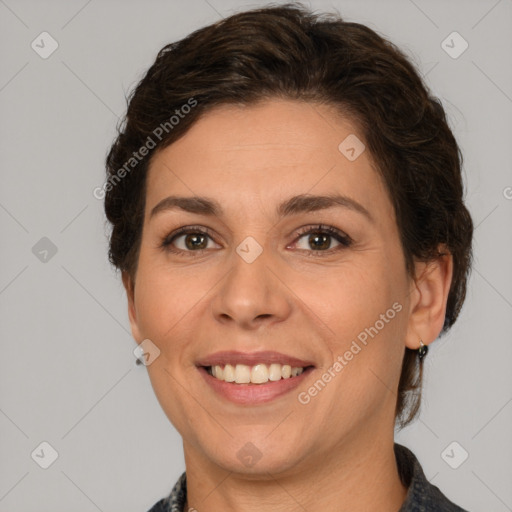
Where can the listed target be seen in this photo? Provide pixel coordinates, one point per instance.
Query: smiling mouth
(258, 374)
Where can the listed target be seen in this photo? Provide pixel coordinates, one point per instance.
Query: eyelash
(344, 240)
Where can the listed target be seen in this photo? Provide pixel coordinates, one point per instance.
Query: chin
(256, 457)
(265, 468)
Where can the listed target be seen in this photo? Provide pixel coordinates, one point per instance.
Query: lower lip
(249, 394)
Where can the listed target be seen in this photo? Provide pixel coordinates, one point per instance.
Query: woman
(287, 212)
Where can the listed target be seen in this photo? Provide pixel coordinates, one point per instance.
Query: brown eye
(188, 240)
(195, 241)
(320, 240)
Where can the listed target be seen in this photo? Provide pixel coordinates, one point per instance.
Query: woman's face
(258, 283)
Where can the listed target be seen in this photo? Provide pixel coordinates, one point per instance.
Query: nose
(252, 294)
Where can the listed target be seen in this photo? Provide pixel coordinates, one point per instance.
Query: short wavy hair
(289, 52)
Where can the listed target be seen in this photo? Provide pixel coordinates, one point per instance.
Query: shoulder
(421, 495)
(161, 506)
(176, 500)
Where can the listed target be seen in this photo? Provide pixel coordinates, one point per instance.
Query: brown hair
(288, 52)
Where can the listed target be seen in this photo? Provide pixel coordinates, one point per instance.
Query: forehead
(274, 148)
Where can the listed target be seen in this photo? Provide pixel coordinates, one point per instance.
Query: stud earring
(422, 351)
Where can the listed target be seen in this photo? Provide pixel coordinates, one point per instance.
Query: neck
(354, 477)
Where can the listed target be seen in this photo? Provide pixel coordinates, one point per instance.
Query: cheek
(349, 298)
(363, 307)
(161, 300)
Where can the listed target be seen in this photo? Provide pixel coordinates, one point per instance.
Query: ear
(129, 286)
(429, 295)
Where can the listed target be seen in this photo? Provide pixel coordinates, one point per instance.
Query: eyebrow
(297, 204)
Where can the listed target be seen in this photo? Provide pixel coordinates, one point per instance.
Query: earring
(422, 351)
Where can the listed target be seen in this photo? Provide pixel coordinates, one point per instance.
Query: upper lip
(234, 357)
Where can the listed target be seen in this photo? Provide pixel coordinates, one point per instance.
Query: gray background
(67, 370)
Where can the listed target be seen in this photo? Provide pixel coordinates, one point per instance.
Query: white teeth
(229, 373)
(257, 374)
(275, 372)
(218, 372)
(242, 374)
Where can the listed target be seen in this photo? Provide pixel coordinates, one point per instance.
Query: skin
(336, 452)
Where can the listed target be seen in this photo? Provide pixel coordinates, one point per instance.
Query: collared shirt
(422, 496)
